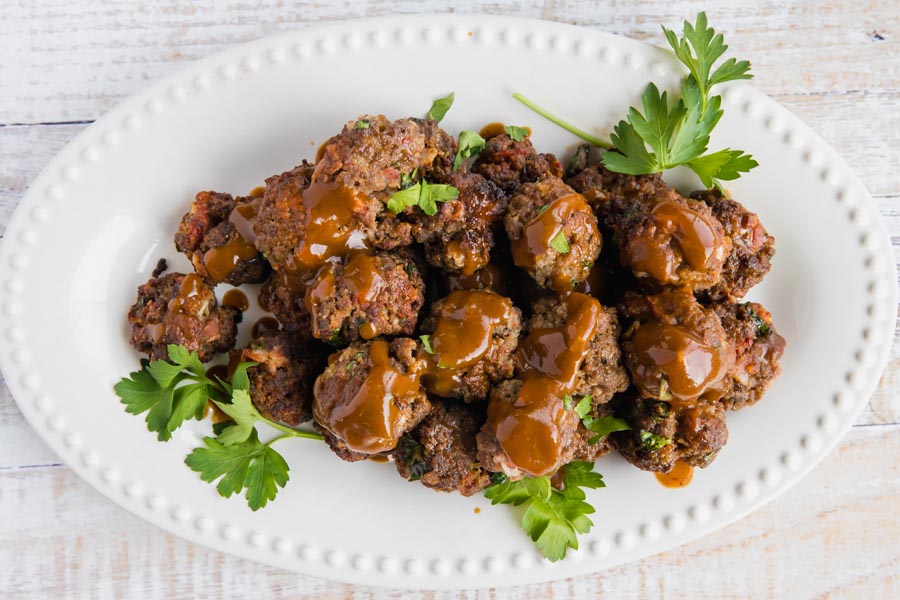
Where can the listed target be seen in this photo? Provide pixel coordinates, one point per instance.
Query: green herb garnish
(517, 134)
(601, 426)
(426, 342)
(470, 144)
(652, 441)
(424, 195)
(440, 107)
(178, 389)
(660, 137)
(553, 518)
(361, 124)
(559, 243)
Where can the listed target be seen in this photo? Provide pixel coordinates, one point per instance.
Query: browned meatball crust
(459, 237)
(567, 258)
(365, 296)
(441, 453)
(473, 382)
(662, 434)
(602, 187)
(582, 448)
(349, 397)
(211, 237)
(181, 309)
(281, 382)
(284, 298)
(602, 374)
(752, 248)
(509, 163)
(759, 348)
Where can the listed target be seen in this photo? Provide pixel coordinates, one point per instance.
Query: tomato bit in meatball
(759, 348)
(509, 163)
(752, 248)
(281, 382)
(181, 309)
(553, 233)
(459, 237)
(470, 343)
(440, 452)
(675, 349)
(662, 434)
(365, 296)
(369, 396)
(217, 235)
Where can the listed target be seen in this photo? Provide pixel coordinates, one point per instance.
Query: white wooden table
(835, 63)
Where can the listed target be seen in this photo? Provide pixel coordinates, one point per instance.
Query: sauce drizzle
(680, 475)
(537, 234)
(366, 417)
(331, 226)
(236, 299)
(549, 361)
(462, 336)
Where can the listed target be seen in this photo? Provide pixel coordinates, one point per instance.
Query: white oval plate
(94, 223)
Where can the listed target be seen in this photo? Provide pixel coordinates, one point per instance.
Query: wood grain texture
(836, 64)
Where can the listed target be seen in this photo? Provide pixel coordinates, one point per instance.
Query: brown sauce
(537, 235)
(321, 151)
(696, 242)
(215, 413)
(471, 261)
(242, 217)
(362, 278)
(489, 277)
(491, 130)
(549, 361)
(192, 297)
(221, 261)
(265, 325)
(220, 371)
(477, 510)
(236, 299)
(331, 226)
(462, 336)
(680, 476)
(257, 192)
(379, 458)
(691, 368)
(366, 417)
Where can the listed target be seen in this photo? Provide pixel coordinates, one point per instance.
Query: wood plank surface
(836, 64)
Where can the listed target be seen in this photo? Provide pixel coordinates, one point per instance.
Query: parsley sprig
(658, 136)
(552, 518)
(175, 390)
(422, 194)
(601, 426)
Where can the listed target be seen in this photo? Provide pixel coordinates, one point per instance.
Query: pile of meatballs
(459, 344)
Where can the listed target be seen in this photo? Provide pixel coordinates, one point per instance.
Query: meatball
(281, 219)
(662, 434)
(528, 431)
(752, 248)
(444, 146)
(509, 163)
(553, 233)
(441, 451)
(675, 349)
(604, 189)
(365, 296)
(459, 237)
(600, 373)
(371, 153)
(181, 309)
(283, 296)
(472, 336)
(281, 382)
(491, 277)
(749, 328)
(369, 396)
(217, 236)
